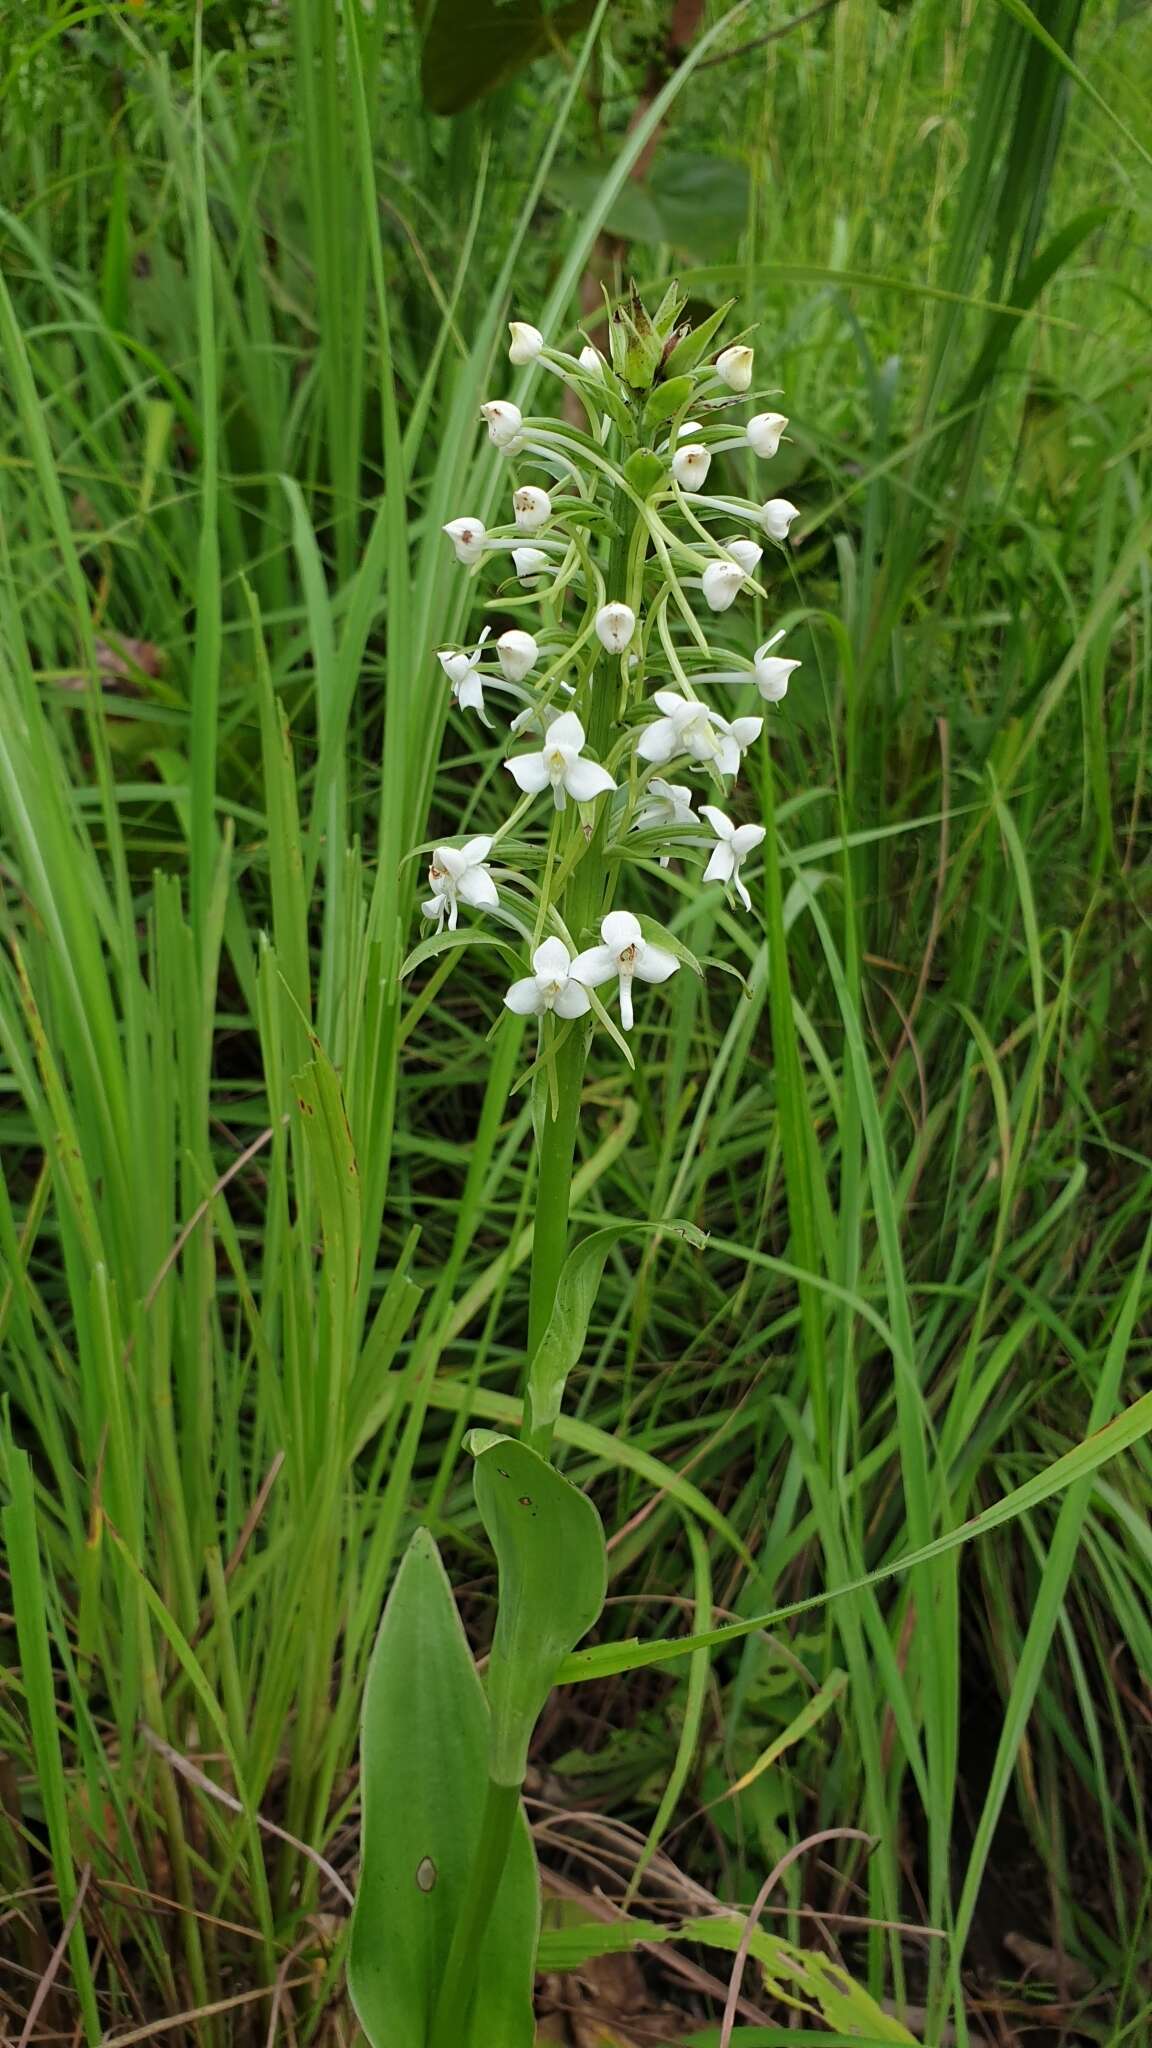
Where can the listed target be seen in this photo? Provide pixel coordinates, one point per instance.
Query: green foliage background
(266, 1205)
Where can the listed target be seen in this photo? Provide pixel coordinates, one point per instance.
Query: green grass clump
(266, 1208)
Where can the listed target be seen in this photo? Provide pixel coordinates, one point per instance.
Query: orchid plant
(616, 563)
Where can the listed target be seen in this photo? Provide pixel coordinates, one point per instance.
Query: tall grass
(264, 1219)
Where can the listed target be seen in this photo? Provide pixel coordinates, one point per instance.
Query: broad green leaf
(328, 1138)
(667, 399)
(549, 1546)
(450, 942)
(559, 1348)
(472, 46)
(423, 1757)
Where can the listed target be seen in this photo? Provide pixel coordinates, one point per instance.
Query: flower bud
(688, 427)
(531, 507)
(529, 562)
(504, 421)
(516, 653)
(734, 367)
(591, 360)
(722, 581)
(615, 625)
(746, 553)
(526, 343)
(763, 432)
(690, 465)
(467, 537)
(777, 516)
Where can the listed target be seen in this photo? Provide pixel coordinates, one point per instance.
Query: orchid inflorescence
(609, 553)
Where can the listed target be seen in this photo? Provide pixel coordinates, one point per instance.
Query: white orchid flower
(772, 671)
(777, 516)
(531, 508)
(457, 875)
(467, 537)
(667, 804)
(591, 360)
(526, 343)
(763, 433)
(624, 955)
(504, 421)
(615, 625)
(690, 465)
(688, 727)
(561, 764)
(517, 654)
(529, 562)
(733, 845)
(722, 583)
(550, 985)
(465, 678)
(734, 367)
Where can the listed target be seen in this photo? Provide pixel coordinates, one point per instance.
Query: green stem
(458, 1986)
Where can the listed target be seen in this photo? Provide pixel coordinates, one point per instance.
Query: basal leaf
(424, 1753)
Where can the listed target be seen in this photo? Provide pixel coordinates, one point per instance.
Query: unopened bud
(467, 537)
(591, 360)
(615, 625)
(504, 421)
(531, 507)
(526, 343)
(690, 466)
(777, 516)
(734, 367)
(529, 562)
(516, 653)
(763, 432)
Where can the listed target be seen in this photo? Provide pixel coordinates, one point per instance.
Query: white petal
(670, 702)
(451, 860)
(597, 964)
(475, 850)
(659, 741)
(571, 1000)
(467, 537)
(585, 779)
(470, 695)
(566, 731)
(455, 666)
(746, 552)
(746, 839)
(626, 1001)
(721, 584)
(529, 772)
(478, 889)
(741, 891)
(722, 865)
(772, 673)
(434, 908)
(525, 998)
(620, 929)
(745, 730)
(654, 964)
(551, 960)
(727, 754)
(720, 823)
